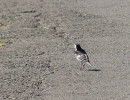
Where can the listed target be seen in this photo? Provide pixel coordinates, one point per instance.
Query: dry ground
(39, 64)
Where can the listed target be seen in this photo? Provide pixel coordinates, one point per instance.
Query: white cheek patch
(75, 47)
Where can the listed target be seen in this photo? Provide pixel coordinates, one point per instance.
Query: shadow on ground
(95, 70)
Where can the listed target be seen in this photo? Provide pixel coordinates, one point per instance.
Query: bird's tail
(89, 64)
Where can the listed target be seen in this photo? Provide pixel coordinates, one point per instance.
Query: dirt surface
(38, 63)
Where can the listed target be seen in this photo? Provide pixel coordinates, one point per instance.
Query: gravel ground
(38, 62)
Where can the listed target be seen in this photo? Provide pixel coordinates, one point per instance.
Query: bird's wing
(83, 57)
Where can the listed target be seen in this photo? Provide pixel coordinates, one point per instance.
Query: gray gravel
(39, 63)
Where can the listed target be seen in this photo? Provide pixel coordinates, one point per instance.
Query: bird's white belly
(79, 57)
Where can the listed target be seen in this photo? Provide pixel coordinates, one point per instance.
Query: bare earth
(38, 62)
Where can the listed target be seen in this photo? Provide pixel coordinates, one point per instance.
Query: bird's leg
(82, 65)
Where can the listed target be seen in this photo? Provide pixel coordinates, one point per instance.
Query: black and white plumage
(81, 55)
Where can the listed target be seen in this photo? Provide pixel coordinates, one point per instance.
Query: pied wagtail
(81, 55)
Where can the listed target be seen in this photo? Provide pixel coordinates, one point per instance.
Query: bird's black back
(80, 49)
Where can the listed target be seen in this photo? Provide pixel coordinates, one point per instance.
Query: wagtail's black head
(78, 48)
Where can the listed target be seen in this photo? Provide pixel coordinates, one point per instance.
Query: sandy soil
(39, 63)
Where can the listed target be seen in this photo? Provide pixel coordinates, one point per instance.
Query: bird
(81, 55)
